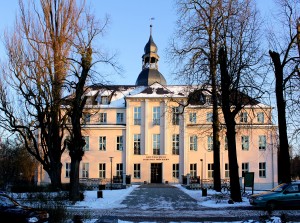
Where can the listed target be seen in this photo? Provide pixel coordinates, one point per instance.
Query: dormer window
(243, 117)
(208, 100)
(104, 100)
(86, 118)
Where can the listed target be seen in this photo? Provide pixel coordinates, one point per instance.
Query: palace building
(149, 132)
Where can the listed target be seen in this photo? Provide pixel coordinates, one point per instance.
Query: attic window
(208, 99)
(104, 100)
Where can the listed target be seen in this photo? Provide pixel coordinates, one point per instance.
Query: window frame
(137, 171)
(175, 144)
(262, 142)
(175, 116)
(137, 144)
(102, 143)
(87, 143)
(261, 117)
(68, 170)
(245, 142)
(245, 168)
(156, 144)
(102, 170)
(243, 117)
(119, 142)
(193, 169)
(120, 117)
(226, 171)
(85, 170)
(209, 117)
(210, 143)
(193, 117)
(103, 118)
(156, 115)
(137, 114)
(193, 143)
(210, 170)
(119, 169)
(262, 169)
(175, 170)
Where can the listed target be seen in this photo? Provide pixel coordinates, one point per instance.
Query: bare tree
(38, 50)
(284, 54)
(239, 60)
(198, 30)
(81, 75)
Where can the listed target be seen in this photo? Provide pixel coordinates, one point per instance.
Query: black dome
(150, 76)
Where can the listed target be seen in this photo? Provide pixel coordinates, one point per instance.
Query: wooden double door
(156, 172)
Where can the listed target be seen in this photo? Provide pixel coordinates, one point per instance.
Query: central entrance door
(156, 172)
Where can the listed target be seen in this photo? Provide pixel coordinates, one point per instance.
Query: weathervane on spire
(151, 25)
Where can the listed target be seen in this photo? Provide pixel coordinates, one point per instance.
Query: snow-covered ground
(114, 198)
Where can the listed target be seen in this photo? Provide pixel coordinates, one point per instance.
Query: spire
(150, 73)
(151, 25)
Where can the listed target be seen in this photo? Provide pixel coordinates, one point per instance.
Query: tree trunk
(74, 193)
(216, 135)
(55, 175)
(229, 117)
(233, 163)
(216, 123)
(77, 142)
(284, 172)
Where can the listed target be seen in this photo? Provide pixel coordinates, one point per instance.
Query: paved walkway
(166, 203)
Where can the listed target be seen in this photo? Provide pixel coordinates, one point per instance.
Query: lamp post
(111, 178)
(201, 160)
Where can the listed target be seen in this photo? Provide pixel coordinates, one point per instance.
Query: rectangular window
(175, 170)
(137, 171)
(137, 144)
(226, 170)
(193, 169)
(104, 100)
(209, 117)
(156, 144)
(175, 116)
(262, 142)
(244, 117)
(68, 170)
(102, 170)
(119, 169)
(260, 117)
(175, 144)
(102, 118)
(245, 142)
(245, 168)
(193, 143)
(208, 100)
(120, 118)
(156, 116)
(85, 170)
(137, 115)
(86, 118)
(193, 118)
(210, 170)
(120, 143)
(262, 170)
(210, 143)
(87, 143)
(226, 143)
(102, 143)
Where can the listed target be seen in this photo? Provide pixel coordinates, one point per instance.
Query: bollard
(77, 219)
(204, 192)
(99, 194)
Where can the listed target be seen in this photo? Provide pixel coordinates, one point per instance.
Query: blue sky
(129, 30)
